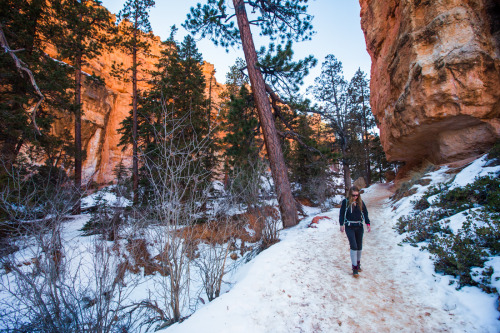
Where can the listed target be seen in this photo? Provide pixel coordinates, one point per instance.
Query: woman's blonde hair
(359, 202)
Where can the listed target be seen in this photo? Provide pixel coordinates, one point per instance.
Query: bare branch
(22, 67)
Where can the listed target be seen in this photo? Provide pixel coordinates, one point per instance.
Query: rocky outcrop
(106, 106)
(435, 76)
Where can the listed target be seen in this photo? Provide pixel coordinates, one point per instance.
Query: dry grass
(219, 232)
(306, 202)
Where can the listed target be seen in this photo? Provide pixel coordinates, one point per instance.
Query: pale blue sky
(336, 22)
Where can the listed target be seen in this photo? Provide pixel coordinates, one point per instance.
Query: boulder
(360, 183)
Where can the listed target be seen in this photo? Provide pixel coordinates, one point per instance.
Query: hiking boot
(355, 271)
(359, 267)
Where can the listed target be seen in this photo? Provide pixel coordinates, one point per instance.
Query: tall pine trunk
(135, 163)
(347, 176)
(209, 112)
(274, 152)
(78, 132)
(368, 170)
(366, 147)
(345, 166)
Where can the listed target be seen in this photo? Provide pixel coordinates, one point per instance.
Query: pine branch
(22, 67)
(291, 134)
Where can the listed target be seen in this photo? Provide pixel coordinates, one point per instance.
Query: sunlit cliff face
(435, 76)
(105, 107)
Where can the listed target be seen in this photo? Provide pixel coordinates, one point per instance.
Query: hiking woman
(353, 214)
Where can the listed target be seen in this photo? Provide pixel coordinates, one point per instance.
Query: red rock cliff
(105, 107)
(435, 76)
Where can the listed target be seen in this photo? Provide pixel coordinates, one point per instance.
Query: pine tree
(241, 127)
(309, 161)
(177, 87)
(186, 89)
(278, 20)
(235, 78)
(177, 90)
(150, 103)
(26, 25)
(359, 92)
(377, 156)
(82, 32)
(331, 89)
(135, 33)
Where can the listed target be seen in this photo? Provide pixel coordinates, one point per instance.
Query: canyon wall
(435, 76)
(106, 106)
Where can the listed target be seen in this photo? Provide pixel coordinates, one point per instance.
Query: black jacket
(353, 213)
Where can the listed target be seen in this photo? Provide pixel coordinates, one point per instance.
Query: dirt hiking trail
(305, 284)
(385, 298)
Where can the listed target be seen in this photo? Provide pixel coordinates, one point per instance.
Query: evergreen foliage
(276, 19)
(236, 78)
(310, 161)
(81, 33)
(177, 89)
(345, 106)
(459, 253)
(242, 141)
(134, 31)
(331, 90)
(284, 21)
(242, 130)
(27, 25)
(359, 92)
(135, 41)
(281, 73)
(378, 160)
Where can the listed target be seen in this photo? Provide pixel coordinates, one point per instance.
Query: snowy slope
(304, 284)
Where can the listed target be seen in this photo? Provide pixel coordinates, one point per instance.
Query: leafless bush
(319, 189)
(103, 297)
(211, 263)
(246, 183)
(49, 284)
(271, 229)
(56, 287)
(179, 191)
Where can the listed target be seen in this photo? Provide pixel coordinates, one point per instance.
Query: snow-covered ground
(105, 196)
(304, 283)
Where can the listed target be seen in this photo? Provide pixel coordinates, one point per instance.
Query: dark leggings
(355, 237)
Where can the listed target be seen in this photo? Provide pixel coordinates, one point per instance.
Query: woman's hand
(368, 227)
(341, 228)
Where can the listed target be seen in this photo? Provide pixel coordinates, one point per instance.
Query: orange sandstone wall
(435, 76)
(105, 107)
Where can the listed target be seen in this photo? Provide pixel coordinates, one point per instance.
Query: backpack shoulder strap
(345, 211)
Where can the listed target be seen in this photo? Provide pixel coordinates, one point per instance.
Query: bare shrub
(211, 263)
(50, 285)
(246, 183)
(405, 188)
(271, 230)
(176, 199)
